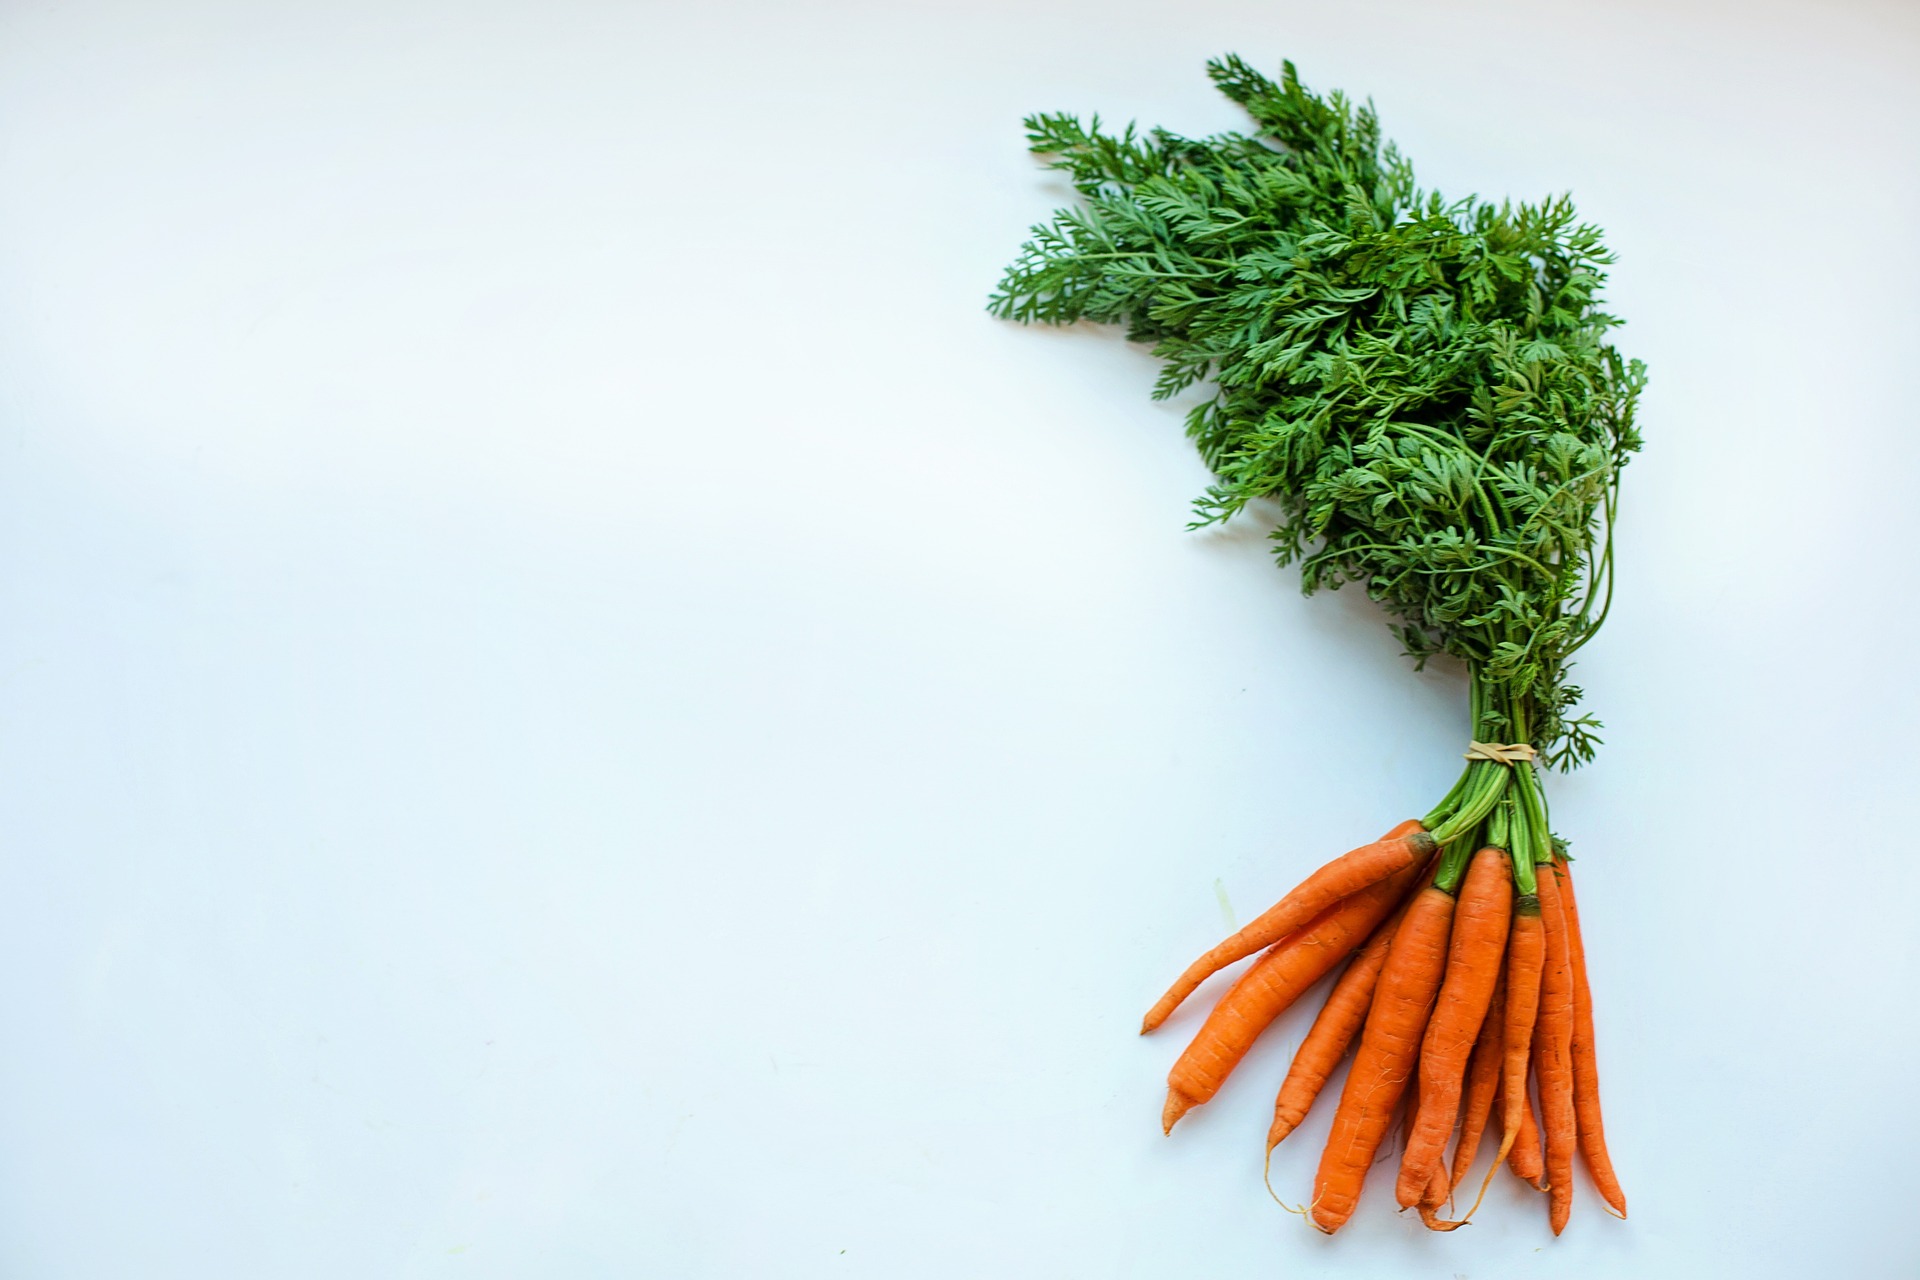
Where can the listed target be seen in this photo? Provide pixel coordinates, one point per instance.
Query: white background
(571, 706)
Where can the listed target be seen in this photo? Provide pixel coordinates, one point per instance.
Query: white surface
(572, 707)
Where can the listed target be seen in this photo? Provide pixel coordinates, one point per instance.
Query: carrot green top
(1424, 386)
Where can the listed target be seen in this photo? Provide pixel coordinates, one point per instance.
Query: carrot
(1437, 1191)
(1339, 1020)
(1586, 1074)
(1553, 1052)
(1483, 1080)
(1438, 1188)
(1411, 976)
(1526, 954)
(1436, 1196)
(1267, 989)
(1524, 1159)
(1409, 1106)
(1473, 964)
(1523, 1156)
(1349, 873)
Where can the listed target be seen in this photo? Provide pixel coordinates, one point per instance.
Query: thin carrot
(1347, 874)
(1430, 1203)
(1267, 989)
(1438, 1190)
(1526, 954)
(1473, 965)
(1586, 1073)
(1553, 1052)
(1339, 1020)
(1409, 1106)
(1483, 1080)
(1416, 960)
(1525, 1159)
(1523, 1155)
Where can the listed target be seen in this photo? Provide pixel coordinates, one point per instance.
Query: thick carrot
(1267, 989)
(1473, 965)
(1416, 960)
(1586, 1073)
(1347, 874)
(1339, 1020)
(1483, 1081)
(1526, 954)
(1553, 1052)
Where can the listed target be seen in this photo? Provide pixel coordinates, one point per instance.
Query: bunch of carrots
(1467, 981)
(1425, 392)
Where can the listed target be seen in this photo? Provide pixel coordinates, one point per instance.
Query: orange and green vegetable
(1425, 392)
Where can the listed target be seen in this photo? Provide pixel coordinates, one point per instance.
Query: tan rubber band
(1515, 753)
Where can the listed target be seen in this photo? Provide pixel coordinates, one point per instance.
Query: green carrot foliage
(1424, 387)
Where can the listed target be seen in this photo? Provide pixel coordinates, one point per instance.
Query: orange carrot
(1437, 1191)
(1347, 874)
(1473, 965)
(1526, 954)
(1267, 989)
(1553, 1052)
(1524, 1159)
(1438, 1188)
(1483, 1080)
(1333, 1030)
(1409, 1106)
(1416, 960)
(1430, 1203)
(1523, 1155)
(1586, 1074)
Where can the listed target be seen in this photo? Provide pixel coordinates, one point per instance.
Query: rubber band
(1511, 754)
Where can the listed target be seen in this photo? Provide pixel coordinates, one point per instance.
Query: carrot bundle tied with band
(1423, 394)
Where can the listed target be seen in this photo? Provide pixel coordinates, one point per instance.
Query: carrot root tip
(1266, 1176)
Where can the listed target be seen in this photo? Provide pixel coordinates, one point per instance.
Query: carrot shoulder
(1347, 874)
(1389, 1045)
(1586, 1073)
